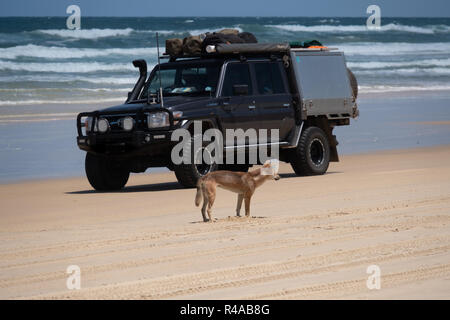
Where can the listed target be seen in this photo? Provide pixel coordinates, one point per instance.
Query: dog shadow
(229, 219)
(164, 186)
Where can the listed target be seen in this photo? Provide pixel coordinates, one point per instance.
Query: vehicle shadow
(165, 186)
(293, 175)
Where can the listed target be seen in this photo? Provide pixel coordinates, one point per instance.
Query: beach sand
(309, 237)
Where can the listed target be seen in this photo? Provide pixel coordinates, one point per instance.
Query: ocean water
(42, 62)
(49, 73)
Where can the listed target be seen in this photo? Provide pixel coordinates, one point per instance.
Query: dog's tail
(199, 195)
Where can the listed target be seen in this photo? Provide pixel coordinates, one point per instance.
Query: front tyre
(105, 174)
(188, 174)
(312, 155)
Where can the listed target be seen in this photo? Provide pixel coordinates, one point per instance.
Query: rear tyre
(105, 174)
(312, 155)
(188, 174)
(353, 83)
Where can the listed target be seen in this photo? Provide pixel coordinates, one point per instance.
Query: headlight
(158, 120)
(126, 123)
(102, 125)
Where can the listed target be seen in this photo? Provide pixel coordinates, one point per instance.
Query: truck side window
(268, 78)
(237, 73)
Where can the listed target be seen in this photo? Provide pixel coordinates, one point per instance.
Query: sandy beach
(309, 237)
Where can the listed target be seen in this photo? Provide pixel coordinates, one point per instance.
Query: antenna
(159, 72)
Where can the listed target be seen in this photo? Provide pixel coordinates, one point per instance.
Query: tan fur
(242, 183)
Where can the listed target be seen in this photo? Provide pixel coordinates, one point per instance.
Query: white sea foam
(419, 72)
(394, 48)
(414, 63)
(86, 33)
(59, 90)
(67, 67)
(37, 51)
(66, 101)
(68, 78)
(200, 31)
(106, 80)
(104, 33)
(361, 28)
(385, 88)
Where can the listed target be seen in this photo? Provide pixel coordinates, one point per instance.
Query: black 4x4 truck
(302, 92)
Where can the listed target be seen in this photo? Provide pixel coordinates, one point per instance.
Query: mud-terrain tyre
(188, 174)
(312, 155)
(105, 174)
(353, 83)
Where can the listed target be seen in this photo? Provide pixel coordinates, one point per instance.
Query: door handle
(227, 107)
(252, 107)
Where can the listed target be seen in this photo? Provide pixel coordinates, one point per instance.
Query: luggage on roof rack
(196, 45)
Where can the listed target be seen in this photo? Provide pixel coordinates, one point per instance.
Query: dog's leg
(205, 204)
(247, 204)
(239, 204)
(211, 190)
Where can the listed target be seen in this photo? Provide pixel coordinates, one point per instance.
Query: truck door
(237, 100)
(273, 100)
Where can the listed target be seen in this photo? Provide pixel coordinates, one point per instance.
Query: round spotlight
(127, 123)
(103, 125)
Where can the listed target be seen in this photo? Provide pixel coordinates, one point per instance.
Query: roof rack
(223, 49)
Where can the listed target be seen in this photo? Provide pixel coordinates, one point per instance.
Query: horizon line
(224, 16)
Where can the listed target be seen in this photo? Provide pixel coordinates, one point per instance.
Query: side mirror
(240, 89)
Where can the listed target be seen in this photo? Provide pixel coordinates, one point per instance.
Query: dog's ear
(266, 164)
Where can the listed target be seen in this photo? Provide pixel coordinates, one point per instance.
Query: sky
(154, 8)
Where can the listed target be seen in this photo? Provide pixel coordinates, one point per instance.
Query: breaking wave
(86, 33)
(383, 88)
(362, 28)
(67, 67)
(68, 101)
(93, 34)
(414, 63)
(393, 48)
(37, 51)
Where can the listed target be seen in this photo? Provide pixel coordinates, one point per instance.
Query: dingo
(243, 183)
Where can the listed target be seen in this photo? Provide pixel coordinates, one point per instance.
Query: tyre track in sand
(329, 232)
(312, 238)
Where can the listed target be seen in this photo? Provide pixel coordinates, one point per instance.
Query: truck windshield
(184, 80)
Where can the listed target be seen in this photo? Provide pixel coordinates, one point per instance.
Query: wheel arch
(323, 123)
(207, 123)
